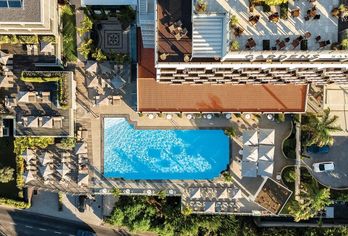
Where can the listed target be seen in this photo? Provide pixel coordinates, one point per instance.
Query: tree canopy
(6, 174)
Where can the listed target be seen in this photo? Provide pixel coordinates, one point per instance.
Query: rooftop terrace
(170, 13)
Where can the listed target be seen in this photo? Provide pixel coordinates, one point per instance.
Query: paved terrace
(326, 26)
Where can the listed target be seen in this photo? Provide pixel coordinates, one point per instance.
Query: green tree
(312, 200)
(68, 143)
(98, 55)
(116, 192)
(86, 25)
(318, 128)
(275, 2)
(67, 9)
(85, 48)
(6, 174)
(344, 44)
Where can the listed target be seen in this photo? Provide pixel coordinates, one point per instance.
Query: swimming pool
(131, 153)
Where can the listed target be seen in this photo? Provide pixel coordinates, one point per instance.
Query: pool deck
(90, 117)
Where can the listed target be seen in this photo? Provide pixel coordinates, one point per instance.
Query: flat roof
(154, 96)
(29, 12)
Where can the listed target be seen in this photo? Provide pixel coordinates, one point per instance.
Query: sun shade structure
(63, 170)
(81, 148)
(207, 36)
(46, 158)
(238, 194)
(105, 68)
(93, 82)
(33, 122)
(29, 176)
(266, 153)
(28, 155)
(92, 67)
(222, 193)
(250, 153)
(266, 136)
(47, 122)
(4, 57)
(46, 47)
(209, 207)
(83, 180)
(249, 169)
(195, 193)
(265, 168)
(46, 171)
(250, 137)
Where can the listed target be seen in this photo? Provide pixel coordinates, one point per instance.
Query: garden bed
(69, 33)
(289, 145)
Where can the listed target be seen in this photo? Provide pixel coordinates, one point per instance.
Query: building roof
(29, 12)
(154, 96)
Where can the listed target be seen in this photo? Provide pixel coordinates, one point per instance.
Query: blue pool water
(162, 154)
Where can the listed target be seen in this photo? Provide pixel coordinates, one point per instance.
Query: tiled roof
(154, 96)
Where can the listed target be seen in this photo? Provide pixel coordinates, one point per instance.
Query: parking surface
(339, 155)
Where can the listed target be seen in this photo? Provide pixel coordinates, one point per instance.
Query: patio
(293, 27)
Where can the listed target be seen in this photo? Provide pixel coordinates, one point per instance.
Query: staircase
(146, 11)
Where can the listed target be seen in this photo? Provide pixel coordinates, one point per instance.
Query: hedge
(14, 203)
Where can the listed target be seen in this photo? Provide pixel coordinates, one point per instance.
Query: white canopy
(209, 207)
(28, 155)
(265, 168)
(45, 158)
(238, 194)
(83, 180)
(23, 96)
(63, 170)
(250, 153)
(46, 47)
(250, 137)
(222, 193)
(266, 136)
(266, 153)
(33, 121)
(47, 122)
(4, 57)
(93, 82)
(81, 148)
(29, 176)
(105, 67)
(46, 171)
(92, 67)
(249, 169)
(195, 193)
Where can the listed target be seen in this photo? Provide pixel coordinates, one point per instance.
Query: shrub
(14, 203)
(284, 11)
(4, 39)
(344, 44)
(68, 143)
(227, 177)
(6, 174)
(86, 25)
(280, 117)
(234, 46)
(47, 38)
(28, 39)
(60, 201)
(99, 55)
(233, 21)
(66, 9)
(85, 48)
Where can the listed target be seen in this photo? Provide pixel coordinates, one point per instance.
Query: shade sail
(250, 137)
(266, 136)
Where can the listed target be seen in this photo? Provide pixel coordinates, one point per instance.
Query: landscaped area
(69, 33)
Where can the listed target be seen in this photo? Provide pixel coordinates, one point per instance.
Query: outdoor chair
(306, 18)
(171, 29)
(317, 39)
(316, 17)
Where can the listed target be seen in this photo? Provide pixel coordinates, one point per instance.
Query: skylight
(10, 3)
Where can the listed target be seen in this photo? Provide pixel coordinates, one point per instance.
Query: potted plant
(234, 46)
(201, 6)
(233, 21)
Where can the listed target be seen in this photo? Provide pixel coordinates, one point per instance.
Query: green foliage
(119, 58)
(86, 25)
(40, 79)
(284, 11)
(234, 21)
(162, 194)
(280, 117)
(68, 143)
(227, 176)
(85, 48)
(344, 44)
(47, 38)
(69, 33)
(116, 192)
(289, 175)
(4, 39)
(201, 6)
(275, 2)
(126, 15)
(14, 203)
(6, 174)
(164, 217)
(67, 10)
(317, 129)
(230, 132)
(312, 200)
(22, 143)
(98, 55)
(28, 39)
(186, 211)
(234, 46)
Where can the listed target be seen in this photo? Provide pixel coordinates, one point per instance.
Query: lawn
(69, 33)
(8, 158)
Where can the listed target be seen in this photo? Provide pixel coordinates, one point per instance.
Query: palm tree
(318, 128)
(6, 174)
(85, 48)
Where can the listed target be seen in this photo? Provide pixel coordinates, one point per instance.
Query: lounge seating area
(260, 24)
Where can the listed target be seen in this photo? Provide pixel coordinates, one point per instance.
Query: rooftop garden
(49, 76)
(69, 33)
